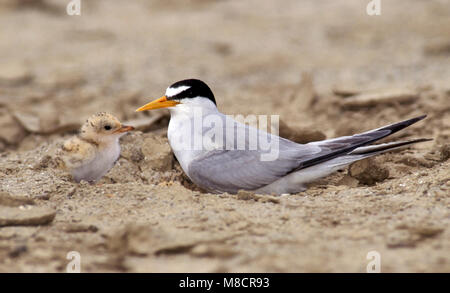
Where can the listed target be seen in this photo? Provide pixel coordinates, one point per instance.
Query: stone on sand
(444, 152)
(157, 153)
(304, 94)
(14, 74)
(46, 122)
(12, 132)
(346, 91)
(26, 216)
(391, 96)
(368, 172)
(299, 135)
(14, 201)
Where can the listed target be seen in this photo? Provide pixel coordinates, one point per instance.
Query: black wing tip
(413, 120)
(422, 139)
(402, 124)
(418, 118)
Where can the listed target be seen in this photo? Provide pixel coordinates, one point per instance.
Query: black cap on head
(195, 88)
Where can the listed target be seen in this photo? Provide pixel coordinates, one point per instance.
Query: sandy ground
(323, 66)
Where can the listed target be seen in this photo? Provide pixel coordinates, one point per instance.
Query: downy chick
(94, 151)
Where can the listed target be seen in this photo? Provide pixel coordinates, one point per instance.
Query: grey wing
(232, 170)
(242, 161)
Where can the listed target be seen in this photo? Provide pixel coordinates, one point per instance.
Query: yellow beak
(162, 102)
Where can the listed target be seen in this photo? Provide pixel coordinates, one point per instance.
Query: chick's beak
(124, 128)
(162, 102)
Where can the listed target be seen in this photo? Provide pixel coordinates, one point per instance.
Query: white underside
(96, 168)
(180, 134)
(296, 182)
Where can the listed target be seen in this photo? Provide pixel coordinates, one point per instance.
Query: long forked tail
(325, 168)
(357, 144)
(384, 147)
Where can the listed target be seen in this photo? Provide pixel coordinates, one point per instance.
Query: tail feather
(326, 168)
(381, 148)
(333, 148)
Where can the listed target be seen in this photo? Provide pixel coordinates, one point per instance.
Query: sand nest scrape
(146, 216)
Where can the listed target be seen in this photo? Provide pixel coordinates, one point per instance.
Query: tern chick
(93, 152)
(219, 166)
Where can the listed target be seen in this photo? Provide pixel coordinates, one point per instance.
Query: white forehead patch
(170, 92)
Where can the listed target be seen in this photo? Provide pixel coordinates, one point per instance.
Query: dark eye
(107, 127)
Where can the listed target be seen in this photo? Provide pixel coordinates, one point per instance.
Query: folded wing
(231, 170)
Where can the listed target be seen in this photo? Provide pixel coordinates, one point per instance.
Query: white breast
(185, 132)
(103, 161)
(182, 140)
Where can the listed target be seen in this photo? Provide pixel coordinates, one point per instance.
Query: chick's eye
(107, 127)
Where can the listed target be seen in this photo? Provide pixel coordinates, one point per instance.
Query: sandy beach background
(326, 67)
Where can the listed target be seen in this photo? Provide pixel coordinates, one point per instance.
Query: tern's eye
(107, 127)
